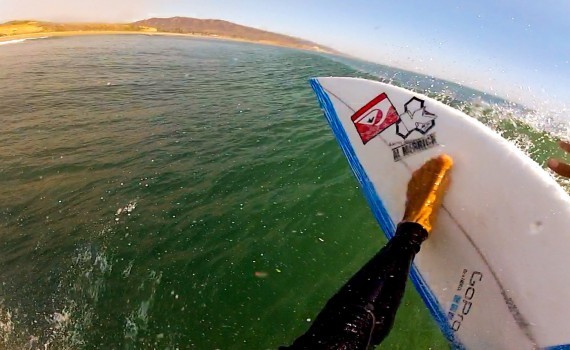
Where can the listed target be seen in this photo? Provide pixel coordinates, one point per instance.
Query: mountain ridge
(211, 28)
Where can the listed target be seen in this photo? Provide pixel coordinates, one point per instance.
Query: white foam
(16, 41)
(138, 319)
(126, 210)
(12, 41)
(6, 325)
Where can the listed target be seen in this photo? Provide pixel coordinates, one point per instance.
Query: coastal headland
(177, 26)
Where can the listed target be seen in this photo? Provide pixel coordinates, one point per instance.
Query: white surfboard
(495, 272)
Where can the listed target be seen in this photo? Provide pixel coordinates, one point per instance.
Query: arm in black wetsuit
(362, 312)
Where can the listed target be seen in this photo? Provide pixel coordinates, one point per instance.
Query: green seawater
(173, 193)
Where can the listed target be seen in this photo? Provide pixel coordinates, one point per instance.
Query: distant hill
(27, 28)
(216, 27)
(178, 25)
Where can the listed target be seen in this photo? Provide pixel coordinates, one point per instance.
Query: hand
(558, 166)
(425, 191)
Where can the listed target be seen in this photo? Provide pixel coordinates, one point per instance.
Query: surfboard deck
(494, 272)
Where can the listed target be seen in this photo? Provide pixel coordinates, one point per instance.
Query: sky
(519, 49)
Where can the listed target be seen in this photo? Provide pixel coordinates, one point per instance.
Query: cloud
(74, 10)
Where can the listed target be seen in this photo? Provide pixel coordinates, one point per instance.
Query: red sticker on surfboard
(375, 117)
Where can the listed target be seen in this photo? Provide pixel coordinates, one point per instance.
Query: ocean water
(175, 193)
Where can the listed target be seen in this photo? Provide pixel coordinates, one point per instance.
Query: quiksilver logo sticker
(375, 117)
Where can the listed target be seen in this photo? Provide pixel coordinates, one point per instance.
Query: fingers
(565, 146)
(559, 167)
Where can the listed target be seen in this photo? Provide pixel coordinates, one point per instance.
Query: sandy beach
(148, 33)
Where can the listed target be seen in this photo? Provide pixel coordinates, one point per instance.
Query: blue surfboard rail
(379, 210)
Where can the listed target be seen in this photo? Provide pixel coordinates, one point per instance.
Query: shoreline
(38, 35)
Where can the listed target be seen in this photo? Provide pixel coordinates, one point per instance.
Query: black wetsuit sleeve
(362, 312)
